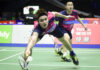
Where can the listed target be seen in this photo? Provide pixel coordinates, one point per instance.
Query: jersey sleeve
(37, 29)
(35, 24)
(76, 14)
(50, 15)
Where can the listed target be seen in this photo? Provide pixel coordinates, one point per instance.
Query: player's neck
(69, 12)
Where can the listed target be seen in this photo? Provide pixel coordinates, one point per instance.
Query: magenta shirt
(68, 23)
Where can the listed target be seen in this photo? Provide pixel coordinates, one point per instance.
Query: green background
(8, 29)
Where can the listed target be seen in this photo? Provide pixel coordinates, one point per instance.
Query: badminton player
(67, 25)
(46, 25)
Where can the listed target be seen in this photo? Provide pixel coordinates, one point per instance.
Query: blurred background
(21, 12)
(16, 26)
(12, 9)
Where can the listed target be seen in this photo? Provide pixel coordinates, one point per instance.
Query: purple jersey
(67, 23)
(51, 27)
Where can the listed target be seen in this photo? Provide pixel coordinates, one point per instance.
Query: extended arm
(82, 23)
(61, 15)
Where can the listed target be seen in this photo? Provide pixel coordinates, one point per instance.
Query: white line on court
(42, 50)
(54, 65)
(52, 49)
(5, 50)
(2, 49)
(11, 56)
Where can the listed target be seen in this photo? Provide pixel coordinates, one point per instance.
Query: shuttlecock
(29, 58)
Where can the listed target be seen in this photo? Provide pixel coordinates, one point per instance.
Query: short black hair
(31, 9)
(69, 1)
(41, 12)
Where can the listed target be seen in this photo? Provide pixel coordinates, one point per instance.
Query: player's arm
(62, 16)
(32, 40)
(81, 23)
(31, 43)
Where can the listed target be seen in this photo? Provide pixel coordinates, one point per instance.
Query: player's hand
(27, 52)
(69, 17)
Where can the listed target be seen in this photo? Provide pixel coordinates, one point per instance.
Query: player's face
(69, 6)
(43, 21)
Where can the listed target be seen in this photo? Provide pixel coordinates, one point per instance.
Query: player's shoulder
(74, 11)
(64, 11)
(49, 12)
(50, 15)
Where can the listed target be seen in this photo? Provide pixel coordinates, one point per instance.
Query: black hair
(31, 9)
(41, 12)
(70, 1)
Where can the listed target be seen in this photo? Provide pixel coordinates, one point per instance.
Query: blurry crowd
(10, 15)
(6, 16)
(26, 18)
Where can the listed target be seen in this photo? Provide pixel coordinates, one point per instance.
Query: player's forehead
(43, 17)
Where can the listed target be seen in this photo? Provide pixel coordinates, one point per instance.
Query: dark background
(89, 6)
